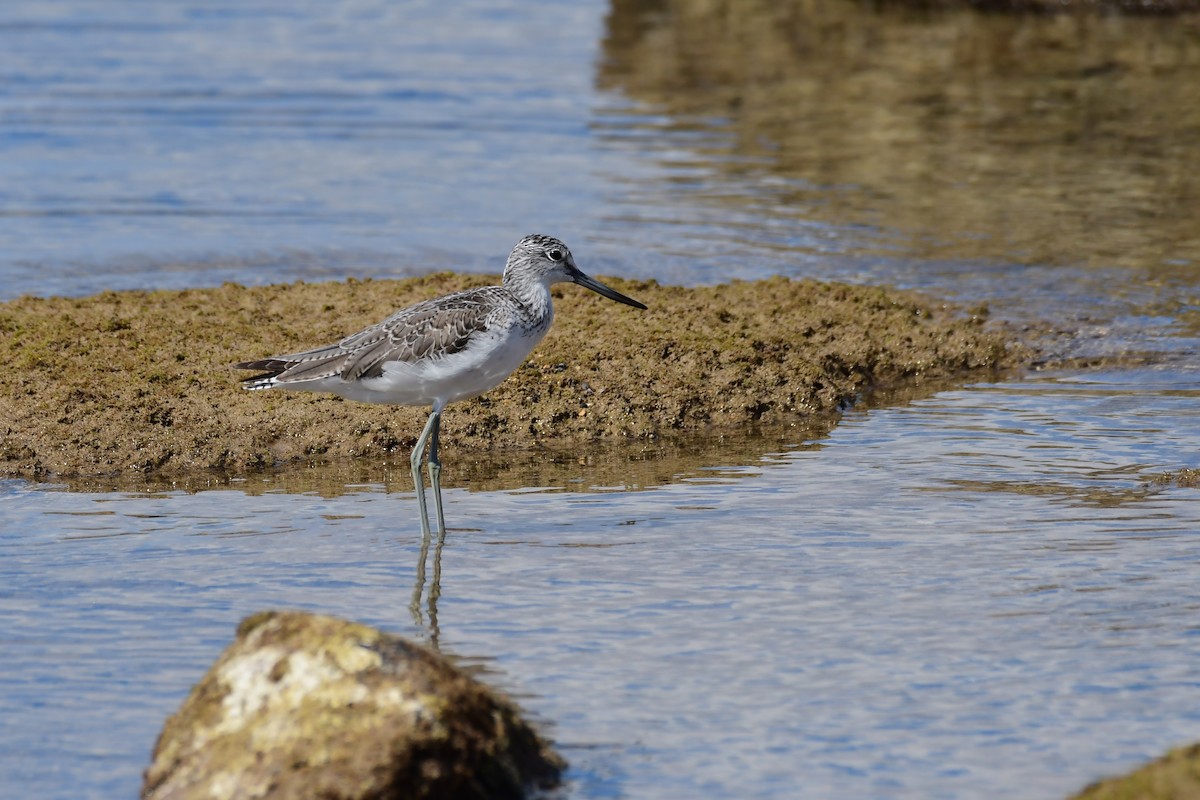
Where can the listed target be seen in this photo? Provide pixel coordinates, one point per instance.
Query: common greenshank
(440, 351)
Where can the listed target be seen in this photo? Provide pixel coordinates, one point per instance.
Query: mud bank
(140, 382)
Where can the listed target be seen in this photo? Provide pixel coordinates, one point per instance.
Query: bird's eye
(554, 255)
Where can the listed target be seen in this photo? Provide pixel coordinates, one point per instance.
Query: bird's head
(547, 260)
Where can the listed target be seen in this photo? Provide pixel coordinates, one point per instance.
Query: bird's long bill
(599, 288)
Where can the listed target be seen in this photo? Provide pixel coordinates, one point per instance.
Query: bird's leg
(418, 454)
(435, 471)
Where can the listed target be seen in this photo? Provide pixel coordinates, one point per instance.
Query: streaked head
(548, 260)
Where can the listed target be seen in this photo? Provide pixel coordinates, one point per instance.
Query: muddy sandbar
(140, 382)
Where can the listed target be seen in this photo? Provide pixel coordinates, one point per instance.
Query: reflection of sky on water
(168, 132)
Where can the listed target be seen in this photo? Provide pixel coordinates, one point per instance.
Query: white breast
(484, 364)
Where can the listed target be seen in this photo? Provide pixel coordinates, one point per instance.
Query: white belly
(483, 365)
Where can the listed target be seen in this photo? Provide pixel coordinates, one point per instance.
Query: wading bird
(440, 351)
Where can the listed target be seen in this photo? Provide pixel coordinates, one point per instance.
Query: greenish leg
(417, 454)
(435, 473)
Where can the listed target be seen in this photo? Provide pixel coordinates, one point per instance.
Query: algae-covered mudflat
(141, 381)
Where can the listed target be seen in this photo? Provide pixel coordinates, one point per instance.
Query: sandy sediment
(141, 382)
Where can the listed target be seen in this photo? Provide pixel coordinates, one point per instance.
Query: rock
(1175, 776)
(308, 706)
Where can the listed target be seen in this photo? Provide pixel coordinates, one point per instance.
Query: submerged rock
(1186, 478)
(311, 706)
(1175, 776)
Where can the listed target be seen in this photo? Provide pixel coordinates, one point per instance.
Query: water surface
(914, 606)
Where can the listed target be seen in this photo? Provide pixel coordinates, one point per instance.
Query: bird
(439, 351)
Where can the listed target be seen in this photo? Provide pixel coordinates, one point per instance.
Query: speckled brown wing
(426, 331)
(429, 330)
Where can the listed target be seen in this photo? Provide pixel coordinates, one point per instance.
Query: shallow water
(979, 592)
(915, 606)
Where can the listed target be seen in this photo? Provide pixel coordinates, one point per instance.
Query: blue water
(138, 135)
(972, 594)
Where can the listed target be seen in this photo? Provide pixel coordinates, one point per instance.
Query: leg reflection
(435, 587)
